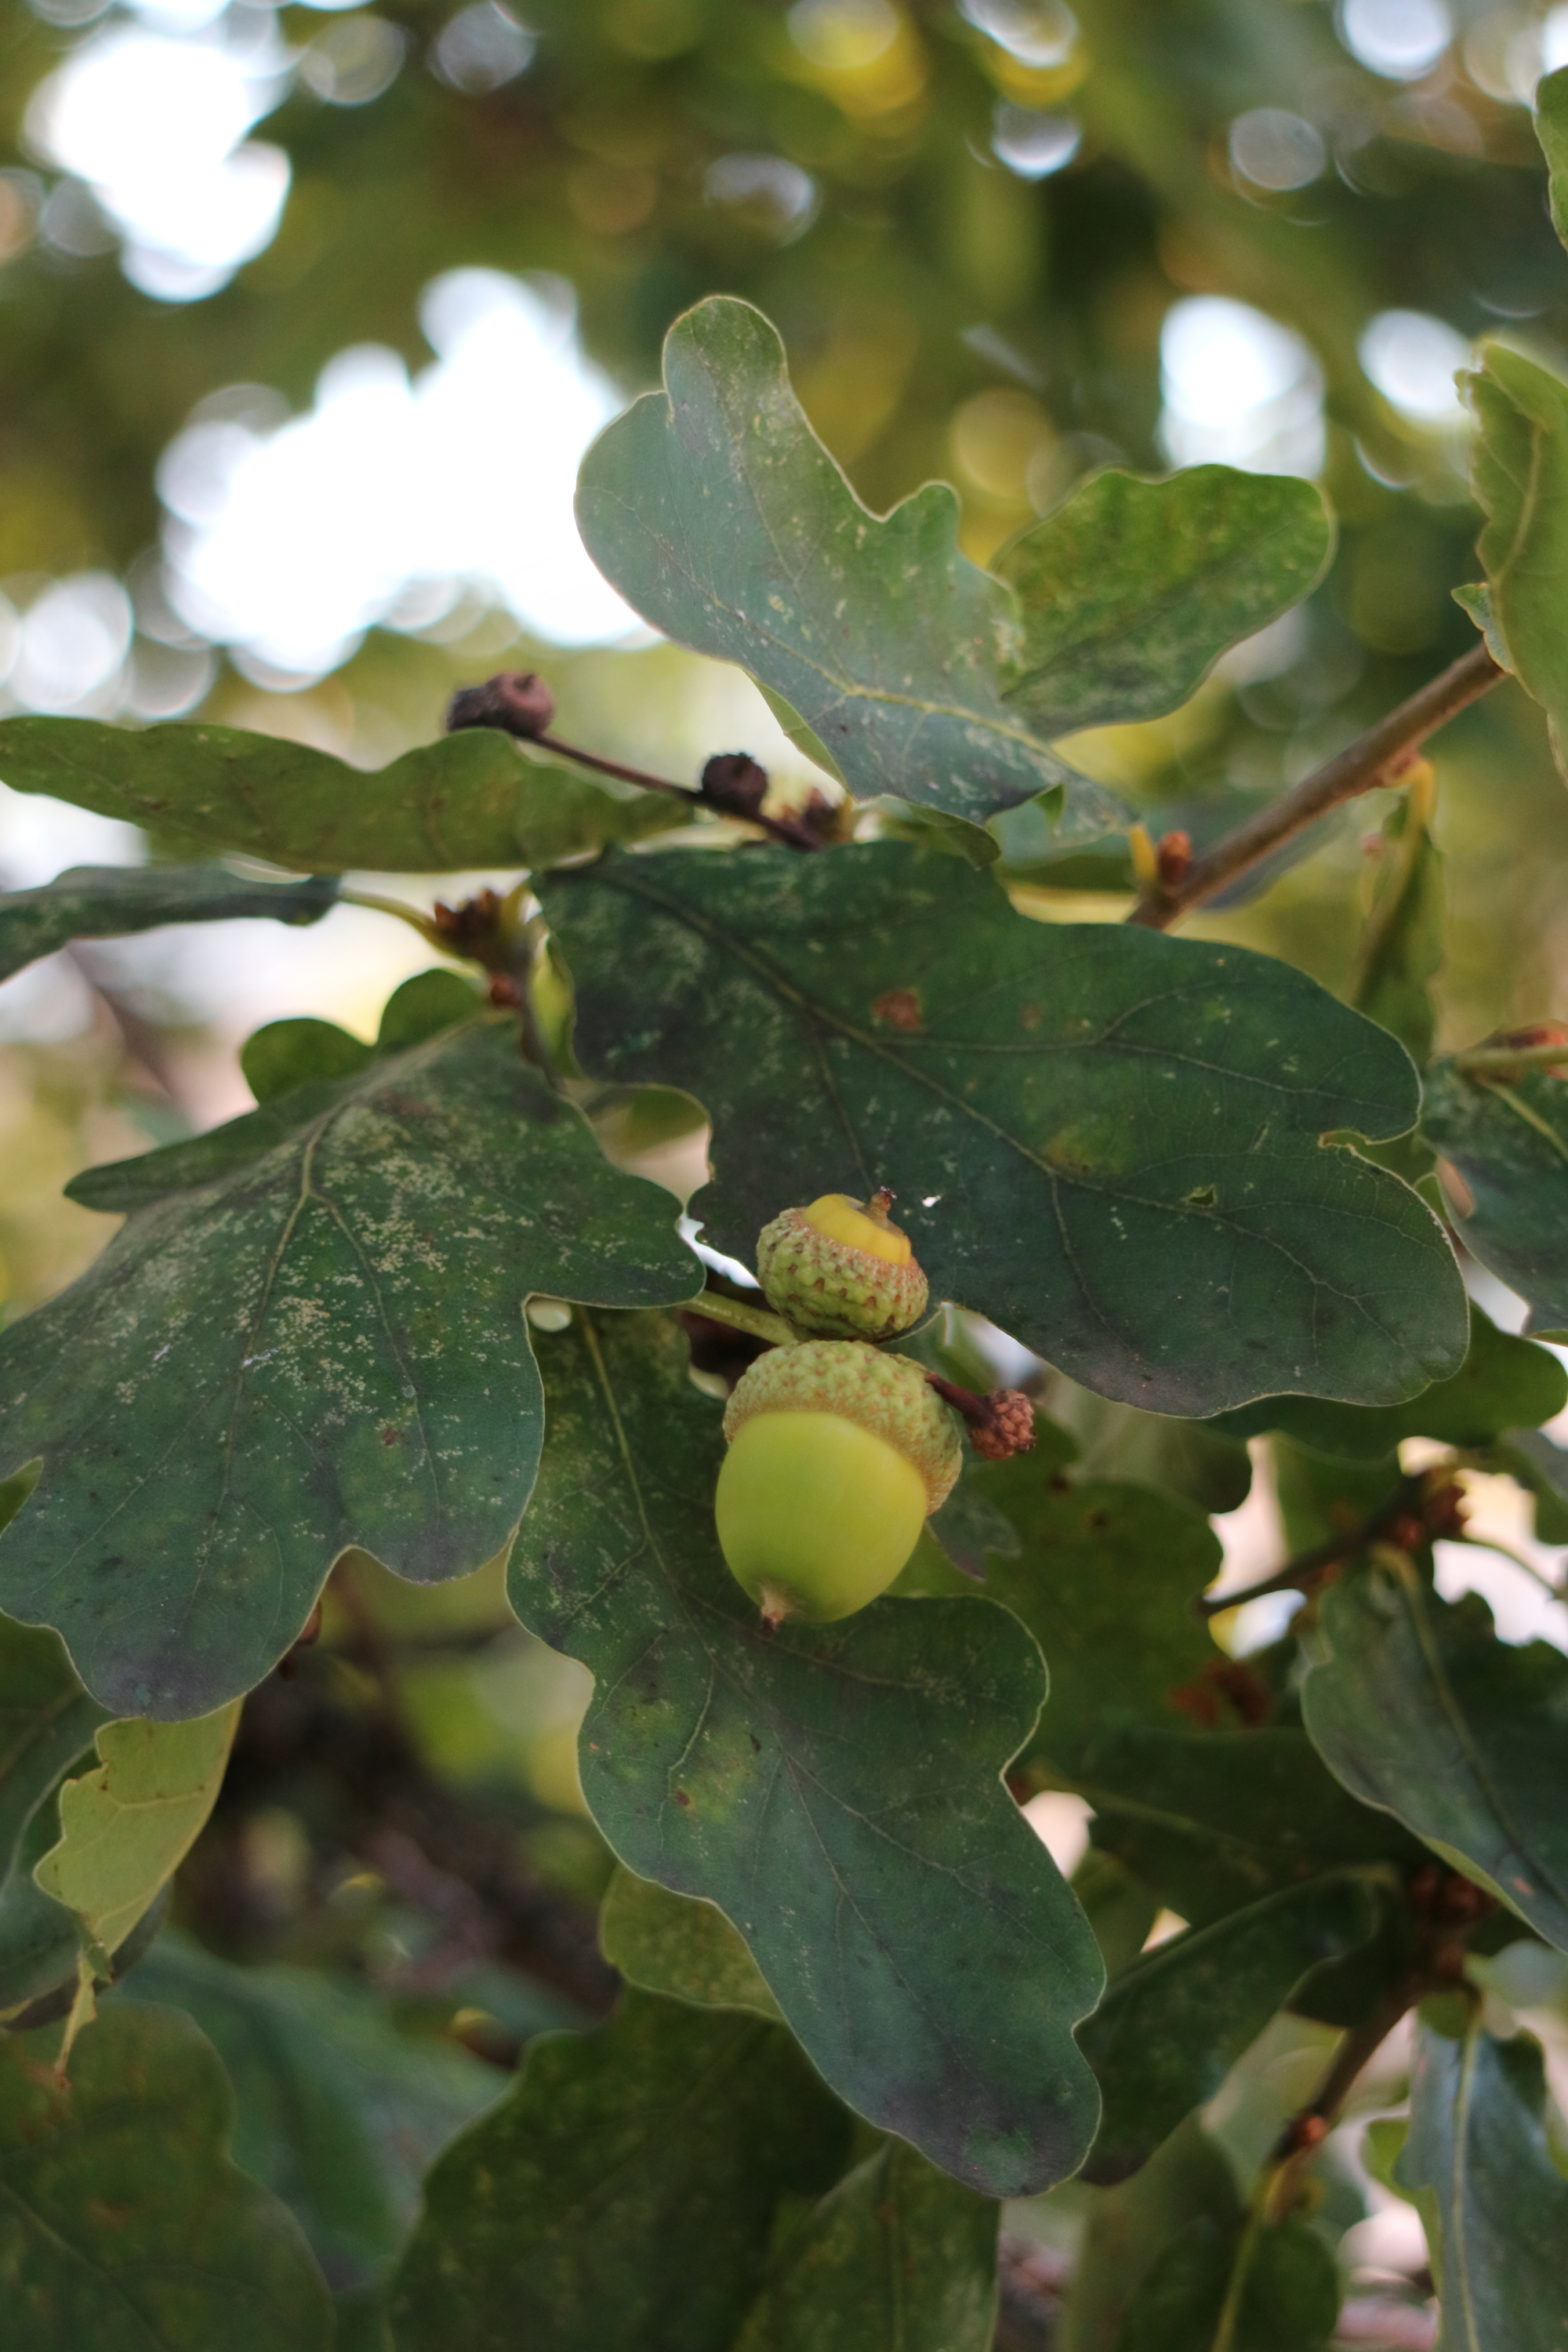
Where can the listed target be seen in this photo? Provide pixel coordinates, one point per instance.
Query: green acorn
(837, 1455)
(841, 1269)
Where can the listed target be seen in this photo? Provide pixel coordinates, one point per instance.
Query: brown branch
(1374, 758)
(517, 702)
(1413, 1511)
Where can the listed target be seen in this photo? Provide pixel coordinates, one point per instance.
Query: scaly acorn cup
(837, 1454)
(841, 1269)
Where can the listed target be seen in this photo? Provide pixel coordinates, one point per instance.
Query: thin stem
(755, 1320)
(405, 914)
(1374, 758)
(1310, 2127)
(777, 828)
(1506, 1059)
(1308, 1566)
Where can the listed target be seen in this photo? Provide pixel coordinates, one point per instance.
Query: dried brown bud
(517, 701)
(1172, 859)
(735, 782)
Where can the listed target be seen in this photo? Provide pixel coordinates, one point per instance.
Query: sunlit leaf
(1109, 1141)
(835, 1790)
(718, 514)
(1132, 589)
(126, 1827)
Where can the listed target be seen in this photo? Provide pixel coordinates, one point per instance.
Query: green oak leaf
(1109, 1141)
(1213, 1820)
(1400, 951)
(675, 1945)
(126, 1826)
(835, 1790)
(1131, 591)
(308, 1334)
(1508, 1140)
(623, 2195)
(1105, 1577)
(47, 1721)
(1128, 2228)
(1519, 471)
(1236, 2288)
(895, 2256)
(472, 799)
(1173, 2025)
(108, 902)
(720, 517)
(1495, 2205)
(337, 2112)
(1504, 1383)
(123, 2223)
(1551, 128)
(289, 1053)
(1418, 1708)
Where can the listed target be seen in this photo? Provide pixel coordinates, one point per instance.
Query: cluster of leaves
(862, 2004)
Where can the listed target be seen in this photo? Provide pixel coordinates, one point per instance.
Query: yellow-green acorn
(837, 1454)
(842, 1269)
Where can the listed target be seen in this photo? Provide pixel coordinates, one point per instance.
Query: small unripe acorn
(842, 1269)
(837, 1454)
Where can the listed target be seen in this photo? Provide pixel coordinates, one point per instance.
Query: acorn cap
(888, 1395)
(842, 1269)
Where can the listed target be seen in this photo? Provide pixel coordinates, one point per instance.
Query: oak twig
(1414, 1510)
(1374, 758)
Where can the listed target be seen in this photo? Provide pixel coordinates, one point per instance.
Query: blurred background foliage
(306, 313)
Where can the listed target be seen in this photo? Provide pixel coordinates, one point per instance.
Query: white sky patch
(1239, 388)
(156, 124)
(1413, 358)
(290, 541)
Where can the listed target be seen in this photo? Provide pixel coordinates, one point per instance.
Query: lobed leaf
(675, 1945)
(895, 2255)
(1109, 1141)
(720, 517)
(1173, 2025)
(1519, 472)
(108, 902)
(1508, 1141)
(472, 799)
(1129, 593)
(123, 2224)
(1236, 2289)
(337, 2112)
(1479, 2165)
(1105, 1577)
(835, 1790)
(1504, 1383)
(126, 1827)
(307, 1335)
(1418, 1708)
(622, 2196)
(47, 1721)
